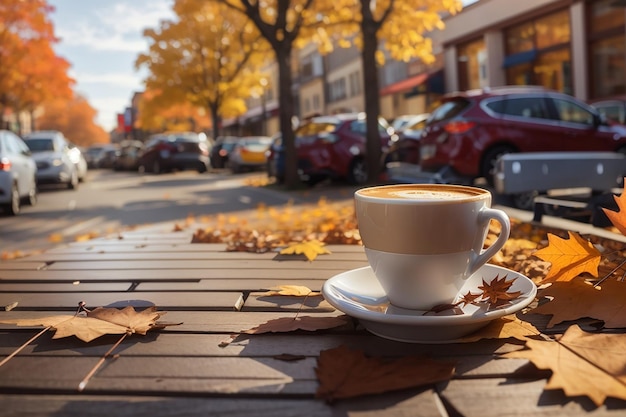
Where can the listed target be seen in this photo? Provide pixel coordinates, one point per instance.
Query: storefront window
(472, 59)
(607, 48)
(538, 53)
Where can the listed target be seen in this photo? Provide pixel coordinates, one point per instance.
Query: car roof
(497, 91)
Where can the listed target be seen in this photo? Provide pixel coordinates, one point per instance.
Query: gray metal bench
(585, 180)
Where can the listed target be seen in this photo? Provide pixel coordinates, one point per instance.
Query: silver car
(17, 173)
(53, 155)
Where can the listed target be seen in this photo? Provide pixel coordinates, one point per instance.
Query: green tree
(209, 58)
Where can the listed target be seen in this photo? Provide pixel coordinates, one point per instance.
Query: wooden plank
(165, 300)
(137, 255)
(286, 271)
(21, 264)
(239, 284)
(399, 404)
(208, 264)
(78, 286)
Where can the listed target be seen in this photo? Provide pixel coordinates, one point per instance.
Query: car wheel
(31, 199)
(489, 160)
(73, 183)
(357, 173)
(13, 207)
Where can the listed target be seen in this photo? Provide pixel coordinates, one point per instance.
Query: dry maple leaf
(292, 290)
(105, 321)
(618, 218)
(587, 364)
(290, 324)
(503, 328)
(310, 249)
(495, 292)
(569, 257)
(344, 373)
(577, 299)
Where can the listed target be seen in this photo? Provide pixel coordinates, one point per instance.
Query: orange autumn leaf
(582, 364)
(503, 328)
(618, 218)
(310, 249)
(569, 257)
(345, 373)
(292, 290)
(290, 324)
(577, 299)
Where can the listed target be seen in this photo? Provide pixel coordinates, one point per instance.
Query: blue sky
(101, 39)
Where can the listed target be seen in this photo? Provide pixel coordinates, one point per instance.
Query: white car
(17, 173)
(53, 155)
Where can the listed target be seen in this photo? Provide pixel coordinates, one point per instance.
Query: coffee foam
(427, 195)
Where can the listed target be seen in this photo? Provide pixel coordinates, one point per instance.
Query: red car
(334, 147)
(470, 130)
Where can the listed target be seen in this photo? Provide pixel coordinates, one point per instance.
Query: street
(110, 201)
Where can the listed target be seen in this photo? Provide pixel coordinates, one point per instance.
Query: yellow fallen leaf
(310, 249)
(292, 290)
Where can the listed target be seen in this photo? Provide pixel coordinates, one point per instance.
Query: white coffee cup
(424, 240)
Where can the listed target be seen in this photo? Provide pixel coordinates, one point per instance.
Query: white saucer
(358, 294)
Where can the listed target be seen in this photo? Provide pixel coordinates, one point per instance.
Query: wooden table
(196, 368)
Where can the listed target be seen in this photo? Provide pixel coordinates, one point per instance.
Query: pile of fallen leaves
(270, 228)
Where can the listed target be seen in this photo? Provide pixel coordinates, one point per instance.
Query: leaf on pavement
(104, 321)
(310, 249)
(290, 324)
(292, 290)
(569, 257)
(618, 218)
(577, 299)
(345, 373)
(582, 364)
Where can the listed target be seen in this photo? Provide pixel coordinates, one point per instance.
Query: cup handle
(486, 214)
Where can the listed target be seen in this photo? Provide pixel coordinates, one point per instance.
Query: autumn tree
(208, 58)
(30, 71)
(394, 28)
(155, 116)
(75, 118)
(281, 23)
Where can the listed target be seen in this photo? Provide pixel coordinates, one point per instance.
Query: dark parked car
(470, 130)
(175, 151)
(127, 156)
(56, 161)
(275, 159)
(95, 154)
(407, 147)
(334, 147)
(18, 171)
(221, 149)
(614, 109)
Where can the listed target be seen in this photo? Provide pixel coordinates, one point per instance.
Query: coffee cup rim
(478, 194)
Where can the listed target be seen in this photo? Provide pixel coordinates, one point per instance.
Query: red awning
(404, 85)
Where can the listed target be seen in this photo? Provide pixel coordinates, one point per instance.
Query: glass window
(520, 38)
(612, 110)
(608, 66)
(603, 15)
(552, 30)
(522, 107)
(569, 111)
(472, 59)
(448, 110)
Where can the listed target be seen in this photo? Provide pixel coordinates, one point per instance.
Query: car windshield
(40, 145)
(448, 110)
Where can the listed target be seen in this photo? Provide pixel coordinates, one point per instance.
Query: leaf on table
(290, 324)
(309, 248)
(104, 321)
(582, 364)
(344, 373)
(569, 257)
(291, 290)
(618, 218)
(503, 328)
(577, 299)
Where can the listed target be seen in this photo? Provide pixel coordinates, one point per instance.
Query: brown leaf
(344, 373)
(587, 364)
(569, 257)
(495, 291)
(292, 290)
(504, 328)
(290, 324)
(577, 299)
(104, 321)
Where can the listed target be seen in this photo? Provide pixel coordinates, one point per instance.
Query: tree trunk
(286, 112)
(215, 121)
(372, 96)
